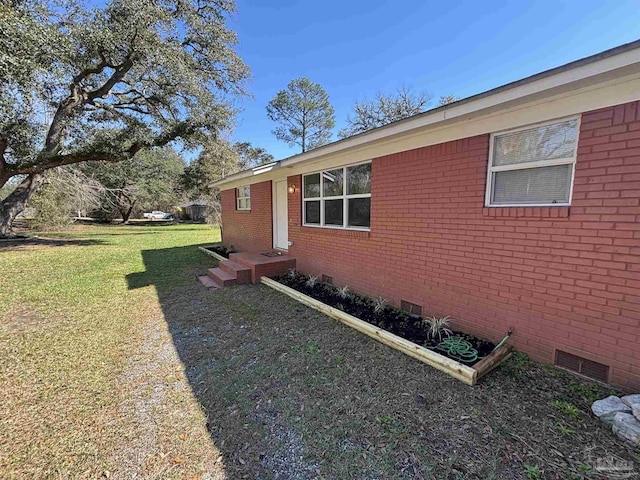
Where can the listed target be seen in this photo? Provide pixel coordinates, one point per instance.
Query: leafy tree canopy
(303, 114)
(250, 156)
(217, 160)
(149, 181)
(80, 84)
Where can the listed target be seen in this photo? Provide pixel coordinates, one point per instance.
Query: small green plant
(563, 429)
(343, 292)
(532, 472)
(309, 348)
(437, 327)
(566, 408)
(312, 281)
(391, 424)
(517, 364)
(584, 468)
(588, 391)
(292, 273)
(312, 348)
(379, 305)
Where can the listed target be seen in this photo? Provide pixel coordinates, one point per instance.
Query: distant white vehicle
(157, 215)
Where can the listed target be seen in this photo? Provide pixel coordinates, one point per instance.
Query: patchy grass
(114, 359)
(70, 336)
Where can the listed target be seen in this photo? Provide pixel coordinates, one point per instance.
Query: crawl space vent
(327, 279)
(588, 368)
(411, 308)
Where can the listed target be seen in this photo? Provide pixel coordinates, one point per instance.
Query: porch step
(222, 277)
(207, 281)
(240, 271)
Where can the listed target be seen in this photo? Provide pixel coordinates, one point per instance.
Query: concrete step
(241, 271)
(240, 259)
(207, 281)
(221, 277)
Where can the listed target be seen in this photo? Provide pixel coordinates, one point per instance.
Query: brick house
(515, 208)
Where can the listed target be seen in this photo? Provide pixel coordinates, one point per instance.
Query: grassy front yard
(115, 362)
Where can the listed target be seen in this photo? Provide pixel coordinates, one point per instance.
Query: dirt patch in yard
(290, 393)
(22, 318)
(167, 434)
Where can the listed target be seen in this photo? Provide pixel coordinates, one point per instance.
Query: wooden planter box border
(464, 373)
(215, 255)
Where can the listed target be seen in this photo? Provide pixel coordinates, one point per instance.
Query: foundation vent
(411, 308)
(583, 366)
(327, 279)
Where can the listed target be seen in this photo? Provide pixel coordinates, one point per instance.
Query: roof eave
(578, 70)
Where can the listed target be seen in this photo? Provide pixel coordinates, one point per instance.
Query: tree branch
(78, 96)
(69, 159)
(41, 164)
(119, 73)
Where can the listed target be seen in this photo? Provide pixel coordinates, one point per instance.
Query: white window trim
(541, 163)
(344, 197)
(239, 197)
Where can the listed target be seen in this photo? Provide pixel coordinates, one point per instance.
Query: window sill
(342, 232)
(526, 212)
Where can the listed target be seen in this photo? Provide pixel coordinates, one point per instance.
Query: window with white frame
(243, 198)
(533, 166)
(338, 198)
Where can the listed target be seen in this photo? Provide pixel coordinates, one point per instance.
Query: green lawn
(70, 325)
(116, 362)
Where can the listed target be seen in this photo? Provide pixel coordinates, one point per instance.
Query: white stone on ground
(607, 408)
(627, 428)
(631, 399)
(636, 411)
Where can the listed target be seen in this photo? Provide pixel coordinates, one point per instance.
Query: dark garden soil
(220, 250)
(394, 320)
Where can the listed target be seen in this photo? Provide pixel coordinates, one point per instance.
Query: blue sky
(354, 48)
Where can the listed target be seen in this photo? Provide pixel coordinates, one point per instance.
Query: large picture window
(243, 198)
(533, 166)
(338, 198)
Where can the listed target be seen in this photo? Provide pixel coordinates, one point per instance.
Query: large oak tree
(102, 84)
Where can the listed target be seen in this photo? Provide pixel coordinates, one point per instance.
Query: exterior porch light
(292, 188)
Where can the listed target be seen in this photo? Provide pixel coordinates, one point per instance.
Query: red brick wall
(565, 278)
(248, 230)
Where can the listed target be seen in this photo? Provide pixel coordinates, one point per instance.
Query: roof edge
(379, 132)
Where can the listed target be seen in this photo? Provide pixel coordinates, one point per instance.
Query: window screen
(533, 166)
(532, 185)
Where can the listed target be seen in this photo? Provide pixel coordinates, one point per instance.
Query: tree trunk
(126, 213)
(11, 206)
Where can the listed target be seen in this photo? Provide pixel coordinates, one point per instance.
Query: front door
(280, 216)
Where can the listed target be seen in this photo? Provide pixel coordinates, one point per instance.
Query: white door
(280, 216)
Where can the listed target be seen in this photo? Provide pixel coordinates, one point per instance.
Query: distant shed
(195, 210)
